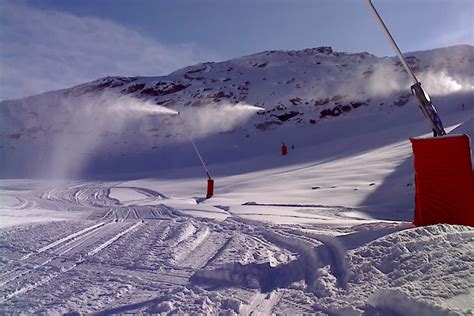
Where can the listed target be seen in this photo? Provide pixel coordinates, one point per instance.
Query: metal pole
(392, 41)
(424, 101)
(194, 146)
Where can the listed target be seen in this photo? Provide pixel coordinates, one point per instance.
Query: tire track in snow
(186, 246)
(150, 196)
(331, 253)
(81, 243)
(62, 240)
(203, 253)
(57, 253)
(262, 303)
(19, 204)
(110, 241)
(296, 308)
(89, 194)
(143, 276)
(62, 243)
(64, 268)
(122, 213)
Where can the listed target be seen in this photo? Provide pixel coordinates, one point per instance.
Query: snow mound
(391, 302)
(414, 262)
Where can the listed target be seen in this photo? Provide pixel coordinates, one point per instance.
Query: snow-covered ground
(324, 230)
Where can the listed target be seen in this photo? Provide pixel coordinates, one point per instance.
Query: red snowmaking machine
(444, 178)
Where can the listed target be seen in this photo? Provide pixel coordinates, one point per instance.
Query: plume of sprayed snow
(385, 81)
(76, 131)
(441, 83)
(214, 118)
(124, 105)
(90, 120)
(382, 81)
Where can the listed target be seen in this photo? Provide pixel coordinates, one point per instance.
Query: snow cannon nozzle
(428, 109)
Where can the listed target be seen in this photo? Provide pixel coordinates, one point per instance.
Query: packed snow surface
(120, 224)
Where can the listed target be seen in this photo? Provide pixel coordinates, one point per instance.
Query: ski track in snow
(78, 246)
(133, 257)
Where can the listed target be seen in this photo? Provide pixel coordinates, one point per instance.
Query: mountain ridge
(293, 89)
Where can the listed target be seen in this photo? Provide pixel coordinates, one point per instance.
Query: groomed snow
(324, 230)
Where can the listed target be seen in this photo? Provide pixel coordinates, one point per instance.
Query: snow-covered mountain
(112, 121)
(324, 230)
(309, 97)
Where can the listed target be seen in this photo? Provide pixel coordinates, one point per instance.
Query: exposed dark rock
(295, 101)
(134, 88)
(195, 70)
(324, 50)
(187, 76)
(286, 116)
(402, 100)
(330, 112)
(346, 108)
(169, 88)
(356, 104)
(322, 101)
(150, 92)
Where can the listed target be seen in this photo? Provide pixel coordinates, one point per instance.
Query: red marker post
(284, 149)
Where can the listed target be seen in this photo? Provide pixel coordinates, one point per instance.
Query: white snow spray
(441, 83)
(127, 105)
(72, 136)
(96, 126)
(215, 118)
(231, 114)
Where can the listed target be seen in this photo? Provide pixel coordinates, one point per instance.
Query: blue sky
(49, 44)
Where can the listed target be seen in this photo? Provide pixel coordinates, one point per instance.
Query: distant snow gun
(210, 181)
(284, 149)
(424, 100)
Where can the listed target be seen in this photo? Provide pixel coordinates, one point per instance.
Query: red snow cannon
(210, 188)
(284, 149)
(444, 180)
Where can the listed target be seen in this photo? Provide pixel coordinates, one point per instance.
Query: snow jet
(214, 118)
(441, 83)
(70, 135)
(90, 119)
(384, 81)
(123, 105)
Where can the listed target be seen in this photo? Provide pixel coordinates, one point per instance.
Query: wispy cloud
(44, 50)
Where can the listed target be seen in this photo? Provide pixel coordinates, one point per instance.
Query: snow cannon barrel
(210, 188)
(444, 180)
(284, 149)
